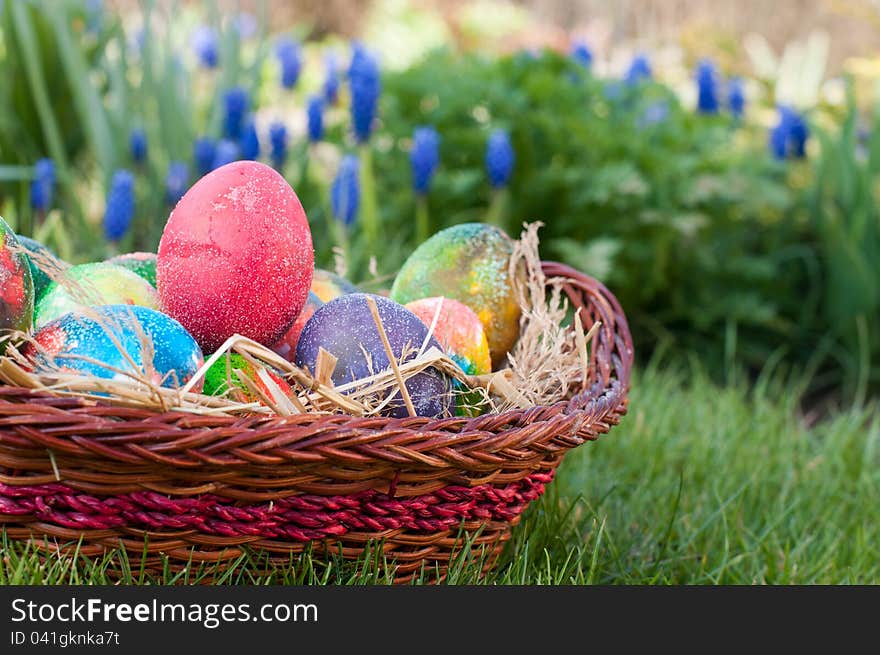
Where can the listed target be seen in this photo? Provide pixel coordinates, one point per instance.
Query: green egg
(40, 277)
(221, 373)
(141, 263)
(94, 284)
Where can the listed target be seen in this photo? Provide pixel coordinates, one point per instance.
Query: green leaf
(89, 106)
(10, 173)
(26, 38)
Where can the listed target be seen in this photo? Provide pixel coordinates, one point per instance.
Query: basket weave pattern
(200, 487)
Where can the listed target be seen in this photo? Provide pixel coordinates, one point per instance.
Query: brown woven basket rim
(101, 446)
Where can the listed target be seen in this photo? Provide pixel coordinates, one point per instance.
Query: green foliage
(74, 94)
(683, 216)
(711, 245)
(844, 209)
(37, 99)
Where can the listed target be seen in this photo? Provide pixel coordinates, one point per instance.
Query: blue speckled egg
(345, 328)
(65, 341)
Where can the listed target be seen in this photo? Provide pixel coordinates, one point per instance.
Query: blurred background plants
(729, 201)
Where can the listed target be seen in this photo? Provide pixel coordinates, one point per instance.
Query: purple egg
(345, 328)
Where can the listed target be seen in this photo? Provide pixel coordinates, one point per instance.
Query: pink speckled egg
(458, 329)
(236, 256)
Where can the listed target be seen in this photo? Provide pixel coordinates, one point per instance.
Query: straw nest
(550, 361)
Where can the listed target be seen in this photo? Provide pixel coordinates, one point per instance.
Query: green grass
(699, 484)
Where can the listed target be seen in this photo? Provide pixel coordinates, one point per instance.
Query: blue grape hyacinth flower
(94, 10)
(736, 97)
(136, 41)
(315, 118)
(119, 210)
(424, 157)
(582, 54)
(788, 138)
(205, 44)
(654, 114)
(235, 105)
(204, 149)
(278, 144)
(137, 145)
(227, 152)
(639, 69)
(245, 25)
(331, 78)
(363, 76)
(778, 140)
(290, 58)
(707, 87)
(797, 135)
(500, 158)
(43, 185)
(249, 145)
(176, 181)
(345, 191)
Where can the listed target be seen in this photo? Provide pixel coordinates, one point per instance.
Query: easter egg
(80, 342)
(16, 284)
(346, 329)
(461, 334)
(221, 375)
(90, 285)
(467, 262)
(236, 256)
(37, 255)
(286, 347)
(459, 331)
(141, 263)
(328, 285)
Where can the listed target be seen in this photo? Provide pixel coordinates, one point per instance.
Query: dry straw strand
(548, 358)
(392, 359)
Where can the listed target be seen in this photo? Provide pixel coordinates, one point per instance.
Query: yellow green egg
(91, 285)
(142, 263)
(468, 262)
(327, 285)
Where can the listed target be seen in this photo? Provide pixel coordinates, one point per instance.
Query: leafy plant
(712, 245)
(843, 209)
(684, 216)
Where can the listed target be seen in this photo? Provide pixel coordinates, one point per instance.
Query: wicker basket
(176, 488)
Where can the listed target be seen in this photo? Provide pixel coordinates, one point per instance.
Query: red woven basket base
(412, 533)
(410, 554)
